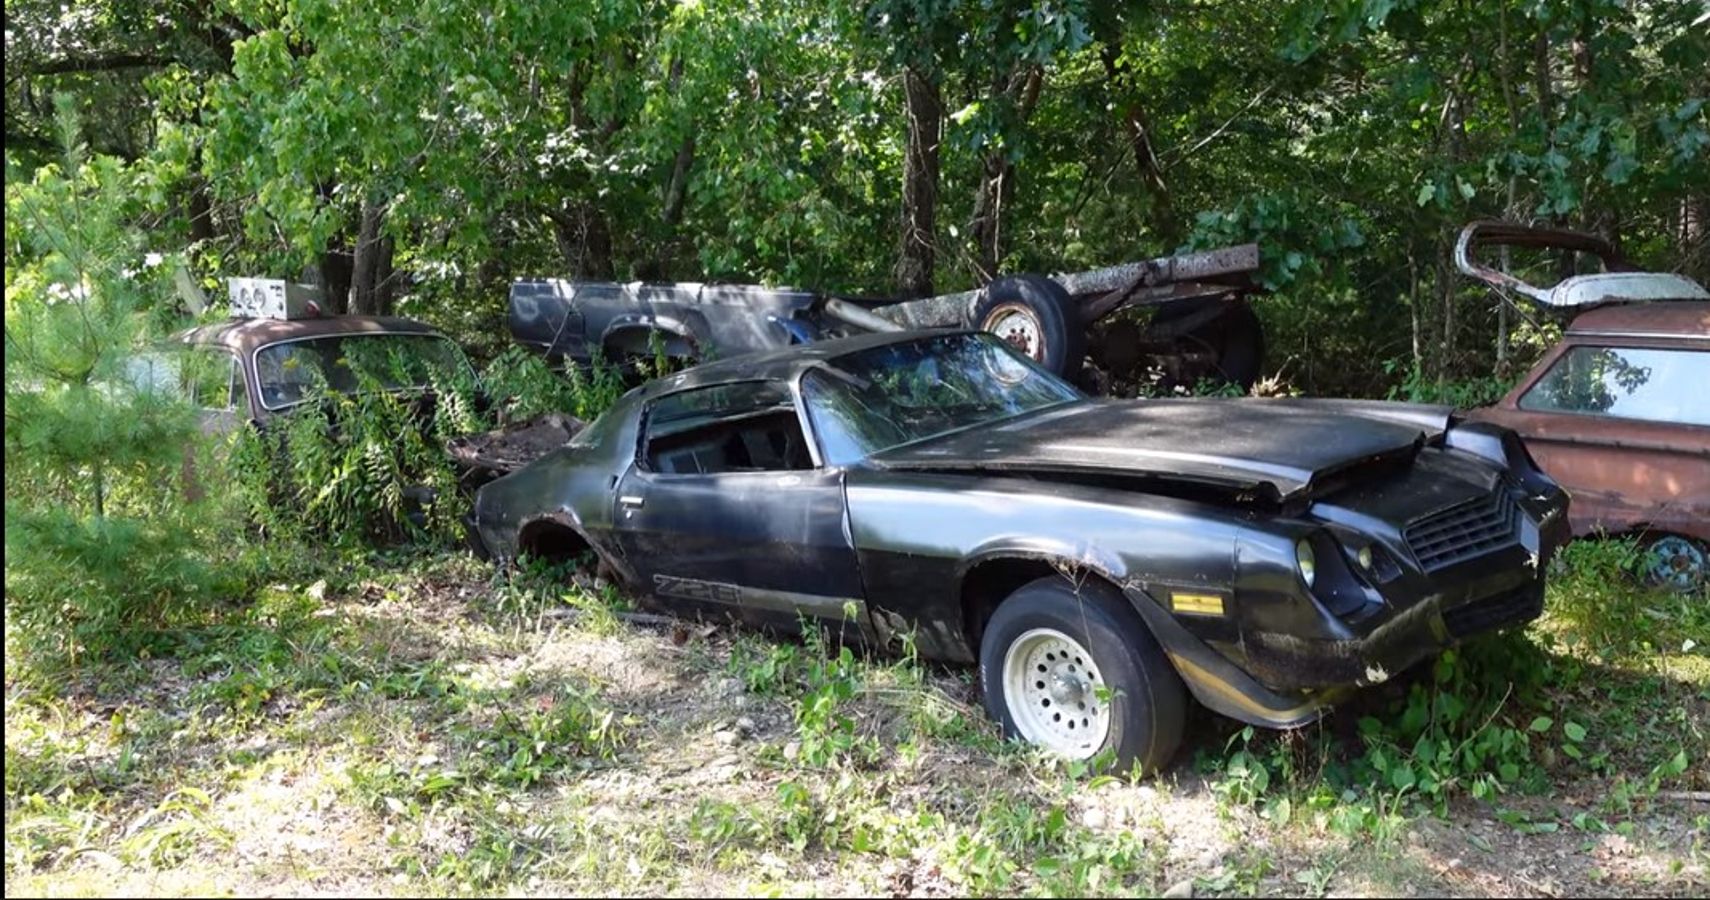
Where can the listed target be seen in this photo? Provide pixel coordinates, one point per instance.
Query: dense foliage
(415, 158)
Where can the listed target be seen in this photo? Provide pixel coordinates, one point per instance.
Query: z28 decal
(691, 589)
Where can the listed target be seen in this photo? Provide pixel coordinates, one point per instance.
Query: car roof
(245, 335)
(1683, 320)
(785, 363)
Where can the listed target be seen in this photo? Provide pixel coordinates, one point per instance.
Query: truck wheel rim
(1019, 328)
(1676, 563)
(1054, 692)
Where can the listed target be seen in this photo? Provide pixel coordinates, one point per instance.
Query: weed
(720, 825)
(1598, 597)
(823, 726)
(1315, 879)
(767, 668)
(1240, 877)
(978, 864)
(44, 831)
(1086, 863)
(523, 747)
(168, 834)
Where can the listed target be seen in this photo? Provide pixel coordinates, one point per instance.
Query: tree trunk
(333, 275)
(385, 277)
(915, 258)
(1446, 286)
(1413, 311)
(677, 189)
(997, 178)
(366, 297)
(1162, 210)
(1695, 238)
(201, 211)
(986, 226)
(584, 241)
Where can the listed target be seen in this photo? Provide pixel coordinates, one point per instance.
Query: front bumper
(1281, 679)
(1288, 663)
(1420, 613)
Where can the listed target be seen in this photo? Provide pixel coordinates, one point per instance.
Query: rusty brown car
(254, 369)
(1619, 411)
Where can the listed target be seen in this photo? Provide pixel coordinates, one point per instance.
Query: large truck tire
(1037, 317)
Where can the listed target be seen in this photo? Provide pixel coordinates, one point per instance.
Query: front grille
(1464, 531)
(1522, 605)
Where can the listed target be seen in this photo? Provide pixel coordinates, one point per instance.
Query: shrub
(1461, 393)
(524, 386)
(102, 546)
(366, 466)
(352, 467)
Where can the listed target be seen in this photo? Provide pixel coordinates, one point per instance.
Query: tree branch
(109, 63)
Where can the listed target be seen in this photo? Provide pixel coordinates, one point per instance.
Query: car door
(725, 513)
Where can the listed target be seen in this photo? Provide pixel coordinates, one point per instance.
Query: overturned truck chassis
(1201, 324)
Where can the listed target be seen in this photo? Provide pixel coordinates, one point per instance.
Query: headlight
(1306, 560)
(1364, 557)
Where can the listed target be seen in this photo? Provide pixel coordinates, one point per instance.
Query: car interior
(753, 440)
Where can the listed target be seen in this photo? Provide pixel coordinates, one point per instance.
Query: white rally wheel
(1052, 689)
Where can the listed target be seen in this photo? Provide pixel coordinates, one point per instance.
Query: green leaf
(1542, 724)
(961, 116)
(1575, 732)
(1427, 192)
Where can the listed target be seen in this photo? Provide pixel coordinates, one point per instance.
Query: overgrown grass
(451, 732)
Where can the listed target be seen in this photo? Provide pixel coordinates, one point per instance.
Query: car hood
(1279, 450)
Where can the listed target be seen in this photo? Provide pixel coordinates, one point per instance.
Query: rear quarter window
(1645, 383)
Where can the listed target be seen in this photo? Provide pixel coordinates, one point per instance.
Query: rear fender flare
(562, 518)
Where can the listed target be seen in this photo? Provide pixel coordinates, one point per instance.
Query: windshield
(873, 400)
(288, 373)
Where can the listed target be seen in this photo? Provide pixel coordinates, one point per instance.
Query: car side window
(1647, 383)
(748, 426)
(212, 380)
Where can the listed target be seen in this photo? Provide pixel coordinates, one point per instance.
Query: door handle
(632, 501)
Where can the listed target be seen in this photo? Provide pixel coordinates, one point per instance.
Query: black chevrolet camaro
(1101, 560)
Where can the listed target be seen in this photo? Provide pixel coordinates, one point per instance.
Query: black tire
(1048, 312)
(1148, 702)
(1243, 346)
